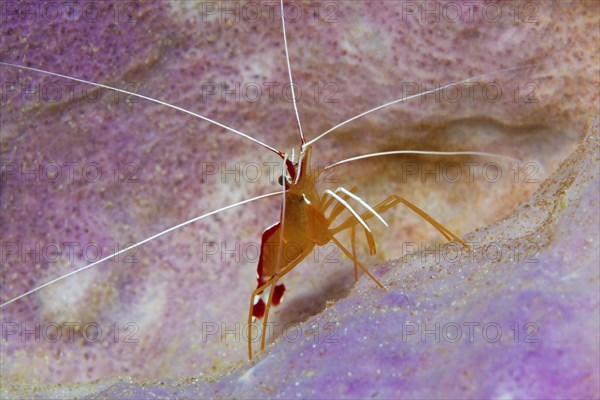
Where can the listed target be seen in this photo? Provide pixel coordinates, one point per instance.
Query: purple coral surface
(513, 323)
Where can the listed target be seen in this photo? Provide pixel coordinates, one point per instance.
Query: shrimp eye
(287, 181)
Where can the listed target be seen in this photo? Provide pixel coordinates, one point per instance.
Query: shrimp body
(305, 226)
(306, 220)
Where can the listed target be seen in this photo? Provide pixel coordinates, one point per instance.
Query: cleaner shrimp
(88, 171)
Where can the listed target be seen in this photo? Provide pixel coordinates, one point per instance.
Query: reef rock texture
(517, 317)
(86, 171)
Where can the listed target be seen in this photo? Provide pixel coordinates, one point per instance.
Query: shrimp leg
(392, 201)
(271, 282)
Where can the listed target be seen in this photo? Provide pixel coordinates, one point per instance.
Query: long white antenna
(141, 96)
(423, 152)
(287, 57)
(414, 96)
(60, 278)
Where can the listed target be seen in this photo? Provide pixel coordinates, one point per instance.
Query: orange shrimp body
(285, 244)
(304, 224)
